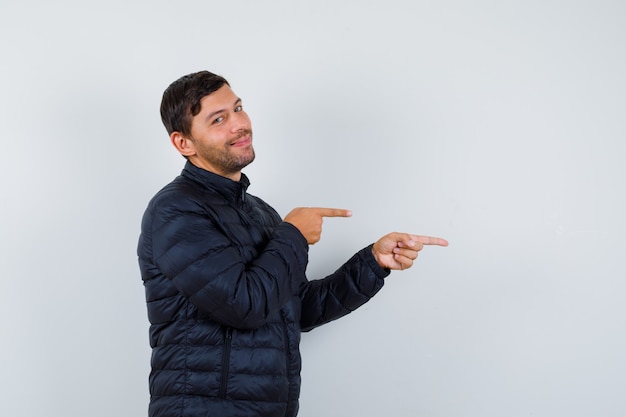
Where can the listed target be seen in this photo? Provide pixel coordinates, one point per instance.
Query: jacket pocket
(288, 365)
(228, 340)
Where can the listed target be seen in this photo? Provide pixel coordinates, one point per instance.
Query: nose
(240, 121)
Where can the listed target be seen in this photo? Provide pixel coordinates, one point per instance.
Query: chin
(244, 162)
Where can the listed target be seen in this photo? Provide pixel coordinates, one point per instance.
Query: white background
(499, 125)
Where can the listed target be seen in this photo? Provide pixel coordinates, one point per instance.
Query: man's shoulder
(181, 195)
(178, 190)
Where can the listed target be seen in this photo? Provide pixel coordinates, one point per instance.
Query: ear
(183, 144)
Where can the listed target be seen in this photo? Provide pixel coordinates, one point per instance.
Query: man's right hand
(308, 220)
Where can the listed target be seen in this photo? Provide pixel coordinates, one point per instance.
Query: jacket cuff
(302, 240)
(369, 258)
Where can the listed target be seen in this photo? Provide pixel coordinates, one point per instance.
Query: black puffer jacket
(227, 298)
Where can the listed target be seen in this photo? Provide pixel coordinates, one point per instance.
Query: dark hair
(181, 100)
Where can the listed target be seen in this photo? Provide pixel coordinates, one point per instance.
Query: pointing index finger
(333, 212)
(429, 240)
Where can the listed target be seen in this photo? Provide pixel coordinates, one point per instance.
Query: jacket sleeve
(348, 288)
(207, 268)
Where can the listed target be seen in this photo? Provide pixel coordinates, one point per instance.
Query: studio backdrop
(499, 126)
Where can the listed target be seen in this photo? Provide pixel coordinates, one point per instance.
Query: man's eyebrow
(216, 112)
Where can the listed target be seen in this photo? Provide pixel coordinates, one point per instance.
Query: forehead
(219, 100)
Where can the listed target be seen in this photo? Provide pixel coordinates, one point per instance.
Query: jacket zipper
(228, 339)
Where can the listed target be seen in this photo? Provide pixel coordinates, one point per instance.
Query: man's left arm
(360, 278)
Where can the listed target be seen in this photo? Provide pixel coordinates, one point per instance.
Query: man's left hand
(399, 250)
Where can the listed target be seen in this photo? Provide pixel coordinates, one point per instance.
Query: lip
(242, 141)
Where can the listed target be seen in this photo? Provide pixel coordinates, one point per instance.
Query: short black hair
(181, 100)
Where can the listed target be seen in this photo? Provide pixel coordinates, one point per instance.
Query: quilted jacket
(227, 298)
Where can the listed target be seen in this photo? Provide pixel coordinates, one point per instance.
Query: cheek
(247, 121)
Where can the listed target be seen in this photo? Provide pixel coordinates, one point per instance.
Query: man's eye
(238, 108)
(219, 119)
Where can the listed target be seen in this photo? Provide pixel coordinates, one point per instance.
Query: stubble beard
(230, 159)
(235, 163)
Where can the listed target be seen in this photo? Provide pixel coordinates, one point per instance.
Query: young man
(224, 275)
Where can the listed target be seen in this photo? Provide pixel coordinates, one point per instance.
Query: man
(224, 275)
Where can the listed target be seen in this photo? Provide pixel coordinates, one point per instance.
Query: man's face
(221, 135)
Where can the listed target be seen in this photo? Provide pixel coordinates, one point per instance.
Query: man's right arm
(208, 269)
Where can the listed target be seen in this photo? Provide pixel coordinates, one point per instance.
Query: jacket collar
(231, 190)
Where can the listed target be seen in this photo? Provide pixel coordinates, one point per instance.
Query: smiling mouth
(242, 140)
